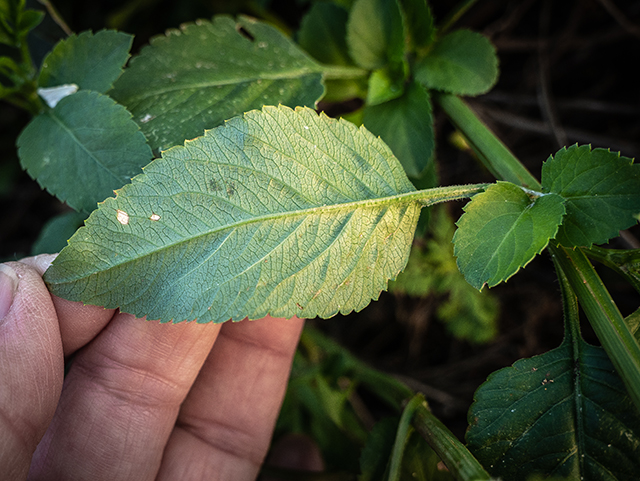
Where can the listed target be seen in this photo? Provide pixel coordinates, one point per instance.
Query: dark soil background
(568, 75)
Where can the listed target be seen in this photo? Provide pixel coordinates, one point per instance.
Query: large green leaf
(602, 192)
(92, 62)
(83, 149)
(375, 33)
(406, 125)
(462, 63)
(196, 77)
(502, 230)
(279, 211)
(563, 413)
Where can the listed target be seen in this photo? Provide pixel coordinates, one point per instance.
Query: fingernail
(8, 288)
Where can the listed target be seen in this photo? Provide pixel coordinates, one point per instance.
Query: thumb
(31, 366)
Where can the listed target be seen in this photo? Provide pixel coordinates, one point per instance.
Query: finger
(31, 366)
(226, 422)
(78, 323)
(120, 400)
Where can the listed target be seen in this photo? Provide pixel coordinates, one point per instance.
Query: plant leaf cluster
(405, 56)
(587, 197)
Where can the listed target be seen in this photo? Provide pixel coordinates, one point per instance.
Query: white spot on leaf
(154, 217)
(122, 217)
(53, 95)
(147, 118)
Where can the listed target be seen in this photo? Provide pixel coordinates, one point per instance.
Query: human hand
(142, 400)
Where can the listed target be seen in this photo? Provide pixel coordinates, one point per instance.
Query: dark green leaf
(625, 262)
(29, 20)
(56, 232)
(374, 458)
(502, 230)
(462, 63)
(196, 77)
(419, 22)
(92, 62)
(375, 33)
(323, 34)
(83, 149)
(279, 211)
(563, 413)
(602, 192)
(406, 125)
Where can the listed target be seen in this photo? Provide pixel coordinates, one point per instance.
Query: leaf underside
(196, 77)
(552, 415)
(502, 230)
(279, 211)
(83, 149)
(602, 192)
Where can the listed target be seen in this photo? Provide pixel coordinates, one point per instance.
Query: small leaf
(196, 77)
(406, 125)
(83, 149)
(387, 83)
(280, 212)
(323, 33)
(56, 232)
(502, 230)
(602, 192)
(419, 21)
(375, 33)
(29, 20)
(554, 414)
(93, 62)
(462, 63)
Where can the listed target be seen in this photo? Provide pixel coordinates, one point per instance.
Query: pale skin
(142, 400)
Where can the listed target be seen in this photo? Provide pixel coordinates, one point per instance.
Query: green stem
(604, 316)
(455, 15)
(402, 437)
(460, 462)
(343, 72)
(493, 153)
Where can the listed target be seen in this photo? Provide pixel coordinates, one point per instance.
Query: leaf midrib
(425, 197)
(78, 142)
(287, 75)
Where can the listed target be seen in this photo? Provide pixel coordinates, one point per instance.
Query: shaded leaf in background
(461, 63)
(375, 33)
(625, 262)
(406, 125)
(374, 457)
(602, 192)
(502, 230)
(83, 149)
(322, 34)
(196, 77)
(91, 61)
(16, 21)
(56, 232)
(220, 229)
(419, 23)
(563, 413)
(633, 322)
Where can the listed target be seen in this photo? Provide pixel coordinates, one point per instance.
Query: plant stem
(493, 153)
(402, 437)
(604, 316)
(343, 72)
(455, 15)
(460, 462)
